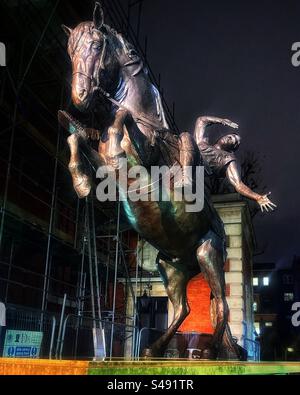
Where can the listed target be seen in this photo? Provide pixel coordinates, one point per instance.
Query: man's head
(230, 142)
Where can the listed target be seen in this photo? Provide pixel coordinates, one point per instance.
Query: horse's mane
(105, 29)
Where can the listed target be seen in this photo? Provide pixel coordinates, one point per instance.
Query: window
(255, 281)
(288, 297)
(269, 324)
(254, 306)
(266, 281)
(257, 327)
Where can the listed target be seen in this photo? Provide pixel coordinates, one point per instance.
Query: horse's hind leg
(211, 263)
(175, 279)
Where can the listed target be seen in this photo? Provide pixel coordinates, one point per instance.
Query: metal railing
(72, 336)
(76, 338)
(253, 349)
(188, 344)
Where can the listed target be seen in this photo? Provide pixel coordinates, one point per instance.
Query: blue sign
(22, 344)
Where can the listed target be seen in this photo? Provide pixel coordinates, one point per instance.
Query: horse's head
(92, 52)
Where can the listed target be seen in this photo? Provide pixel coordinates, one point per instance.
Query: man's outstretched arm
(203, 122)
(234, 178)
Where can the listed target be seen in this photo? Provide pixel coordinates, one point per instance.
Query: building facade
(276, 289)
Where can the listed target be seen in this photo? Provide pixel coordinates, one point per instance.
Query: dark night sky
(233, 59)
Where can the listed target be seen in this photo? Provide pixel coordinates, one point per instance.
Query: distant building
(275, 291)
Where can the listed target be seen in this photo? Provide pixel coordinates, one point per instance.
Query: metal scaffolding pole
(50, 228)
(81, 289)
(52, 216)
(82, 274)
(127, 272)
(134, 339)
(76, 223)
(9, 268)
(96, 262)
(17, 92)
(107, 264)
(11, 146)
(59, 337)
(39, 43)
(98, 333)
(115, 280)
(90, 264)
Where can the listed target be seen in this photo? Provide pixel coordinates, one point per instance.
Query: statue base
(195, 346)
(15, 366)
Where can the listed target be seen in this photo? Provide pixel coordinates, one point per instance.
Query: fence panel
(77, 340)
(26, 324)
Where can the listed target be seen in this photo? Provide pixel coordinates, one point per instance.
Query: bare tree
(251, 174)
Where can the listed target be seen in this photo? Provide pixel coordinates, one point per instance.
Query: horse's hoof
(83, 186)
(242, 354)
(209, 353)
(149, 353)
(233, 353)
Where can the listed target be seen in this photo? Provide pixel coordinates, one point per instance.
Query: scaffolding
(46, 234)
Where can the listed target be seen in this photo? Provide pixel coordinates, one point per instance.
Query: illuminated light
(266, 281)
(288, 297)
(290, 349)
(255, 281)
(257, 327)
(269, 324)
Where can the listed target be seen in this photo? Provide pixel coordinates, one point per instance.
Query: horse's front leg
(81, 180)
(113, 150)
(109, 153)
(78, 145)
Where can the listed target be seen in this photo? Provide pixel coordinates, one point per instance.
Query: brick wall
(198, 293)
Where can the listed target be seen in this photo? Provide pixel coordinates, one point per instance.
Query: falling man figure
(220, 160)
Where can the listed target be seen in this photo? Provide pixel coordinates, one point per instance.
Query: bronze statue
(221, 161)
(106, 69)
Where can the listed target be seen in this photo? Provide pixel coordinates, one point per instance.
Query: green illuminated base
(185, 367)
(15, 366)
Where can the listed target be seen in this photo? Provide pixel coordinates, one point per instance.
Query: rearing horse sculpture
(105, 64)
